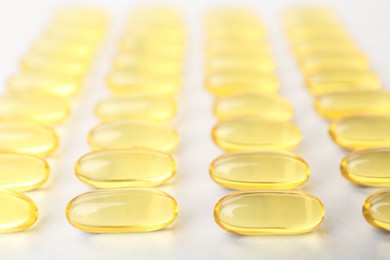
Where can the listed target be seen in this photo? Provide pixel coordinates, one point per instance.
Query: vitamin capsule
(314, 64)
(27, 137)
(253, 104)
(220, 48)
(122, 210)
(240, 64)
(127, 134)
(376, 209)
(254, 32)
(361, 132)
(81, 16)
(326, 82)
(335, 105)
(314, 31)
(260, 170)
(305, 49)
(60, 48)
(40, 108)
(252, 134)
(75, 34)
(269, 213)
(125, 168)
(17, 211)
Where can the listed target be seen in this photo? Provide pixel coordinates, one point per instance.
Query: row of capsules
(349, 93)
(255, 128)
(132, 145)
(37, 99)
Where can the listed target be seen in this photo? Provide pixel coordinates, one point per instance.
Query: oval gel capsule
(260, 170)
(122, 210)
(269, 213)
(317, 64)
(252, 134)
(240, 64)
(376, 209)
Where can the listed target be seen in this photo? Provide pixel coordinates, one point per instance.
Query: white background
(344, 233)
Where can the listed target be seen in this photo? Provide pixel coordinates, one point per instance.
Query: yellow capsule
(304, 49)
(39, 108)
(252, 104)
(243, 49)
(18, 212)
(122, 82)
(44, 84)
(224, 84)
(253, 133)
(125, 168)
(243, 33)
(22, 172)
(81, 16)
(376, 209)
(367, 167)
(339, 80)
(128, 134)
(122, 210)
(314, 64)
(305, 32)
(260, 170)
(148, 107)
(269, 213)
(361, 132)
(335, 105)
(240, 64)
(76, 34)
(52, 47)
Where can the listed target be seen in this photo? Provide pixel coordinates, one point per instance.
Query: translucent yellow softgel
(254, 32)
(228, 65)
(230, 16)
(122, 210)
(335, 105)
(342, 80)
(367, 167)
(27, 137)
(74, 34)
(126, 134)
(82, 17)
(141, 106)
(64, 86)
(125, 168)
(224, 84)
(376, 209)
(269, 213)
(304, 49)
(229, 48)
(33, 107)
(361, 132)
(22, 172)
(253, 133)
(252, 104)
(260, 170)
(316, 31)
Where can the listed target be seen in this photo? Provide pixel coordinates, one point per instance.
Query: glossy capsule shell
(149, 107)
(22, 172)
(127, 134)
(252, 104)
(361, 132)
(313, 64)
(27, 137)
(125, 168)
(376, 209)
(122, 210)
(17, 211)
(260, 170)
(306, 49)
(269, 213)
(242, 134)
(355, 102)
(241, 64)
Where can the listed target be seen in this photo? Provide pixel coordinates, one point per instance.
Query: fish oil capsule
(269, 213)
(259, 170)
(313, 64)
(367, 167)
(305, 49)
(40, 108)
(17, 211)
(252, 134)
(240, 64)
(126, 134)
(81, 16)
(149, 107)
(314, 31)
(22, 172)
(335, 105)
(376, 209)
(361, 132)
(253, 104)
(125, 168)
(228, 48)
(74, 34)
(122, 210)
(60, 48)
(27, 137)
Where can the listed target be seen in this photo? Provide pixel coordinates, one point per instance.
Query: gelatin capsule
(74, 34)
(57, 47)
(125, 168)
(361, 132)
(81, 16)
(148, 107)
(243, 33)
(376, 209)
(253, 134)
(269, 213)
(221, 48)
(18, 212)
(314, 64)
(335, 105)
(22, 172)
(314, 31)
(27, 137)
(304, 49)
(127, 134)
(260, 170)
(240, 64)
(367, 167)
(122, 210)
(252, 104)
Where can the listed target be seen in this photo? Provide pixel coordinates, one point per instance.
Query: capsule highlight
(376, 210)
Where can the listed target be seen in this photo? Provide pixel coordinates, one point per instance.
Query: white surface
(344, 233)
